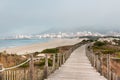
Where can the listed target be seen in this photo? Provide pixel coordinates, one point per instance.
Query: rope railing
(17, 66)
(3, 69)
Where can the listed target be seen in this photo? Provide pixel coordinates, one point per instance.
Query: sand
(41, 46)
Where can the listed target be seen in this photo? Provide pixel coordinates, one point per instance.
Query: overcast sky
(36, 16)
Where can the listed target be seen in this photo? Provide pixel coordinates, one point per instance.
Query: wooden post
(31, 67)
(92, 59)
(60, 55)
(1, 73)
(67, 53)
(53, 65)
(63, 58)
(101, 64)
(114, 76)
(97, 62)
(58, 61)
(110, 75)
(108, 66)
(46, 67)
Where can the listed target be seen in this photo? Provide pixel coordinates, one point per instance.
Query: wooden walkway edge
(77, 67)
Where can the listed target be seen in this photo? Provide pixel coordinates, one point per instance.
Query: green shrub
(42, 62)
(24, 65)
(52, 50)
(99, 43)
(108, 51)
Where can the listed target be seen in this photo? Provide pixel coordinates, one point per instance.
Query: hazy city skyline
(30, 17)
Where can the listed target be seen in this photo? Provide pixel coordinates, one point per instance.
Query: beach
(41, 46)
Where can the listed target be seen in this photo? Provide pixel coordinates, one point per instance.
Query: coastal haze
(42, 16)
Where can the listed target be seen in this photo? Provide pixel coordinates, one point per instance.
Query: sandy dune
(41, 46)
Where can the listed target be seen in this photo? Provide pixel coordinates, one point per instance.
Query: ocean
(19, 42)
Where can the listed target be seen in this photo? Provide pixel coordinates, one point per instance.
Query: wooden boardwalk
(77, 67)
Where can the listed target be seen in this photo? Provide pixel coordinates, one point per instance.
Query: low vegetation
(9, 60)
(106, 48)
(52, 50)
(99, 43)
(102, 48)
(117, 42)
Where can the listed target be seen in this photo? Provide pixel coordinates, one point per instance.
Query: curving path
(77, 67)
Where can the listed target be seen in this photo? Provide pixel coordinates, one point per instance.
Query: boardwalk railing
(33, 72)
(102, 63)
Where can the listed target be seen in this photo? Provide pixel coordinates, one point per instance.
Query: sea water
(8, 43)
